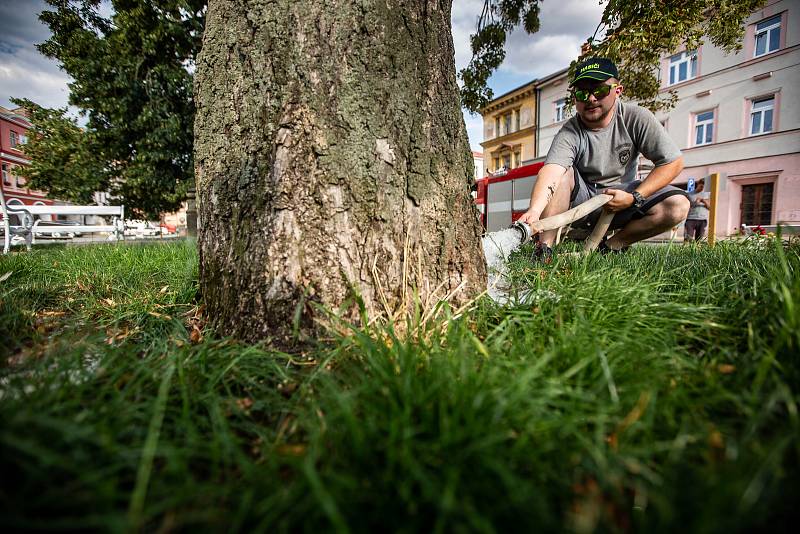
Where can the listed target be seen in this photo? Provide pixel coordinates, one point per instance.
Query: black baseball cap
(595, 68)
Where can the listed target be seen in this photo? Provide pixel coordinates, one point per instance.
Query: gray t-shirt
(697, 211)
(611, 155)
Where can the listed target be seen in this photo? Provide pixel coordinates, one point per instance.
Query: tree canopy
(637, 35)
(62, 161)
(133, 79)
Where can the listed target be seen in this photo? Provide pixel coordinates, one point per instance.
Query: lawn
(653, 391)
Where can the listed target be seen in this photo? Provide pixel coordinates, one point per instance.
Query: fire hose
(570, 216)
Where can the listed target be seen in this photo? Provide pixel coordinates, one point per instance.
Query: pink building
(738, 115)
(14, 127)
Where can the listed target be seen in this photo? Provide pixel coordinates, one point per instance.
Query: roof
(536, 82)
(495, 101)
(551, 77)
(16, 116)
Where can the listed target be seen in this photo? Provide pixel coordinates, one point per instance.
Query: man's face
(594, 111)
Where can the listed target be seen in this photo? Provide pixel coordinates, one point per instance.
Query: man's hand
(622, 200)
(529, 217)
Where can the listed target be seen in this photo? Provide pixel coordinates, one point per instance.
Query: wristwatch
(638, 199)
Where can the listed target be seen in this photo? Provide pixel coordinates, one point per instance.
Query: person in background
(697, 220)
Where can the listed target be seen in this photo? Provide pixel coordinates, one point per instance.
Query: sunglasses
(599, 92)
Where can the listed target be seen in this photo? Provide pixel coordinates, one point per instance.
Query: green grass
(654, 391)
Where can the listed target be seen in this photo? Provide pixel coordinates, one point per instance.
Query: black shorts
(583, 191)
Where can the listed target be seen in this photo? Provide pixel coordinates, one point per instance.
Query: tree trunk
(331, 161)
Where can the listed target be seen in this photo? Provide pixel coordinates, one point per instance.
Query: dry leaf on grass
(196, 336)
(117, 335)
(715, 439)
(292, 449)
(51, 313)
(245, 403)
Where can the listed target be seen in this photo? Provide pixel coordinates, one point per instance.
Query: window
(682, 67)
(13, 179)
(6, 175)
(23, 139)
(704, 128)
(768, 36)
(507, 161)
(496, 163)
(561, 109)
(13, 136)
(517, 158)
(497, 128)
(507, 123)
(756, 207)
(761, 115)
(516, 117)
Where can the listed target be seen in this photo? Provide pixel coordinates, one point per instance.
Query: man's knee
(674, 209)
(558, 200)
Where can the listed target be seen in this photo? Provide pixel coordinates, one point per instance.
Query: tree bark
(332, 162)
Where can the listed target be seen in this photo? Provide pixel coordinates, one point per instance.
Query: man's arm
(659, 177)
(543, 191)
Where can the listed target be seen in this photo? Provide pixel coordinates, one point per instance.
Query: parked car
(60, 233)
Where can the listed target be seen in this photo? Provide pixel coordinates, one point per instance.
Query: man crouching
(597, 151)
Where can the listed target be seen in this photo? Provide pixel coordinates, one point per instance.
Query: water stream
(497, 247)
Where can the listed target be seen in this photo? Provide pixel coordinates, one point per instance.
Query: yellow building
(509, 128)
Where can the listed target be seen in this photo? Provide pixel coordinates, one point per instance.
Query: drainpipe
(536, 122)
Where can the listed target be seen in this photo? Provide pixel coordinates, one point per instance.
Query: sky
(565, 24)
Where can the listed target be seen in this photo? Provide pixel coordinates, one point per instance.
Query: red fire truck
(503, 197)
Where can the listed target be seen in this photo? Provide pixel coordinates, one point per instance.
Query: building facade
(554, 109)
(509, 129)
(738, 115)
(14, 126)
(477, 159)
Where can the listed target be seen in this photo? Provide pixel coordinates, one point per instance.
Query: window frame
(762, 112)
(507, 123)
(689, 57)
(560, 110)
(6, 174)
(770, 200)
(13, 139)
(705, 124)
(767, 33)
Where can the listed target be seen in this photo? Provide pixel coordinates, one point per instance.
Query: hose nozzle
(524, 230)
